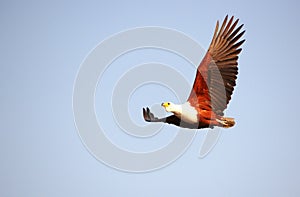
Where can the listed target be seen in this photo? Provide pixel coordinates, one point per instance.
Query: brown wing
(217, 72)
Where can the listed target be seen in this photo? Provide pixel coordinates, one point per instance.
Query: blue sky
(42, 47)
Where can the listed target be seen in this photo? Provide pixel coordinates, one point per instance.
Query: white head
(171, 107)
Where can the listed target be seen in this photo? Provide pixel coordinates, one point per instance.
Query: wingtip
(144, 113)
(226, 17)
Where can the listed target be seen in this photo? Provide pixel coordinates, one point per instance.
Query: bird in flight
(213, 86)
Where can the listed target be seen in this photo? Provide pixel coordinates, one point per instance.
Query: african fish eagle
(213, 86)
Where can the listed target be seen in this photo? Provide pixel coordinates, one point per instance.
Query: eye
(168, 103)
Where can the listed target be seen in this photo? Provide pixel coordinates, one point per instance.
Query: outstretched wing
(149, 117)
(217, 72)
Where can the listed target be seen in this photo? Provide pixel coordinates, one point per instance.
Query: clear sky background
(42, 47)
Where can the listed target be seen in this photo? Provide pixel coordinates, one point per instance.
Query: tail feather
(227, 122)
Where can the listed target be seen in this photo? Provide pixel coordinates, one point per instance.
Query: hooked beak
(164, 104)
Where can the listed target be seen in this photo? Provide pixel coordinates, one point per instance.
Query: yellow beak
(164, 104)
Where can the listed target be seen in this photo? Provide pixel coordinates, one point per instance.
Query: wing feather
(217, 73)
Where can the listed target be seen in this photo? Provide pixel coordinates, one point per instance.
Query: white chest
(188, 113)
